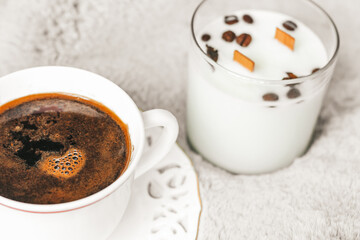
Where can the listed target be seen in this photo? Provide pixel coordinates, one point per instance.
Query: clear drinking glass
(227, 121)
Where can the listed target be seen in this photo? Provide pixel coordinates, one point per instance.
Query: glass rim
(298, 80)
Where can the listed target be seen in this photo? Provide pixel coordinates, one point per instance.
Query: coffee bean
(205, 37)
(232, 19)
(247, 18)
(228, 36)
(315, 70)
(212, 53)
(289, 25)
(293, 93)
(244, 39)
(270, 97)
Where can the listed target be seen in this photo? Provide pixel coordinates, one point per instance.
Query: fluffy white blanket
(141, 45)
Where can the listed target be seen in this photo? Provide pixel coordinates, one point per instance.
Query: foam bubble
(65, 166)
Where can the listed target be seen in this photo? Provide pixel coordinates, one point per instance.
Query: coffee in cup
(57, 148)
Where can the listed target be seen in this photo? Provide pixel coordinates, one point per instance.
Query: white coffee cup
(96, 216)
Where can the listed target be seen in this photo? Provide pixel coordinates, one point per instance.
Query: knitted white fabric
(141, 45)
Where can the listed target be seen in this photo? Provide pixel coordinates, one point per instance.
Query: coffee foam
(65, 166)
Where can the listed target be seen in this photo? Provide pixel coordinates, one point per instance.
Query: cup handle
(170, 130)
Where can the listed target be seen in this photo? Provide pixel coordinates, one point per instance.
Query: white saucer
(165, 203)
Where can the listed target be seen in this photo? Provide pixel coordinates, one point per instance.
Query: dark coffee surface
(56, 148)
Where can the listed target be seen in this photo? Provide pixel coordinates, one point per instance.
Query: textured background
(141, 45)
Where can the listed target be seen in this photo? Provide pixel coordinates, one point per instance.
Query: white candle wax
(272, 58)
(228, 121)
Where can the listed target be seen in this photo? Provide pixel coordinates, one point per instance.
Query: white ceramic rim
(84, 202)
